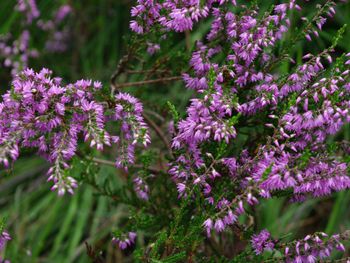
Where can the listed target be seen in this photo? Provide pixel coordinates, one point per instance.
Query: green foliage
(178, 257)
(267, 172)
(174, 112)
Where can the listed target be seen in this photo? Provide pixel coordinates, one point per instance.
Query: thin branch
(159, 132)
(188, 40)
(120, 69)
(146, 71)
(102, 161)
(155, 114)
(110, 163)
(145, 82)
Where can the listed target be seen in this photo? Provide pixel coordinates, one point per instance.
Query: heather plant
(262, 124)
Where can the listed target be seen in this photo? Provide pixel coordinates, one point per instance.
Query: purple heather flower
(125, 241)
(62, 13)
(152, 48)
(29, 9)
(17, 53)
(314, 247)
(262, 241)
(129, 110)
(136, 27)
(58, 41)
(181, 188)
(4, 237)
(208, 225)
(219, 225)
(141, 188)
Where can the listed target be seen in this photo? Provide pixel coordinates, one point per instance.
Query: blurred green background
(46, 228)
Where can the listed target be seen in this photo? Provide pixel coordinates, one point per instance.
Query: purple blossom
(125, 241)
(4, 237)
(17, 53)
(29, 9)
(208, 225)
(58, 35)
(128, 110)
(152, 48)
(219, 225)
(141, 188)
(58, 41)
(169, 14)
(62, 13)
(313, 248)
(262, 241)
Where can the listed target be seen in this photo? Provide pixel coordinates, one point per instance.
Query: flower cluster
(4, 237)
(314, 247)
(57, 31)
(29, 9)
(16, 54)
(298, 156)
(311, 248)
(125, 241)
(141, 188)
(262, 242)
(129, 110)
(39, 112)
(170, 15)
(152, 48)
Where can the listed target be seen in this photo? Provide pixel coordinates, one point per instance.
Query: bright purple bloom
(314, 248)
(4, 237)
(262, 242)
(125, 241)
(29, 9)
(141, 188)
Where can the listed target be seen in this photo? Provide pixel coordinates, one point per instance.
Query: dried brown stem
(146, 71)
(159, 132)
(110, 163)
(145, 82)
